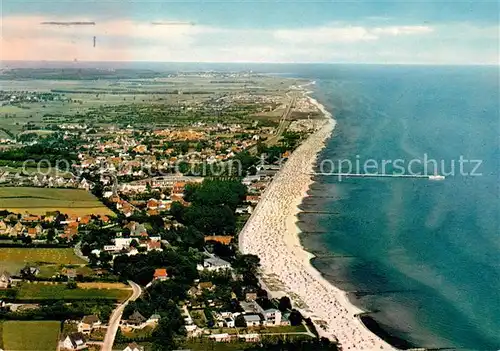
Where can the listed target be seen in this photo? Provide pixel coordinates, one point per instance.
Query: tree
(169, 328)
(177, 211)
(105, 258)
(93, 260)
(284, 304)
(71, 285)
(247, 263)
(240, 322)
(51, 234)
(27, 240)
(295, 318)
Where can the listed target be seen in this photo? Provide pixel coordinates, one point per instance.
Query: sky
(380, 32)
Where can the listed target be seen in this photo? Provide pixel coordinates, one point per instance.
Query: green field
(14, 258)
(40, 291)
(32, 170)
(30, 336)
(43, 255)
(39, 201)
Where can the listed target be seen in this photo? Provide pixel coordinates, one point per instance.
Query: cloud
(402, 30)
(24, 38)
(347, 34)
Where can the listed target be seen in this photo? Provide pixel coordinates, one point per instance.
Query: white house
(229, 322)
(252, 320)
(214, 264)
(272, 317)
(226, 319)
(5, 280)
(74, 341)
(122, 243)
(89, 323)
(154, 319)
(242, 210)
(133, 347)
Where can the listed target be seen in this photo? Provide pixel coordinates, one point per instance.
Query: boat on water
(436, 177)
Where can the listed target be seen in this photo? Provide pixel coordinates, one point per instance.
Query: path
(116, 316)
(78, 251)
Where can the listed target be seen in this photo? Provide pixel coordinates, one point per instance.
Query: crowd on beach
(272, 234)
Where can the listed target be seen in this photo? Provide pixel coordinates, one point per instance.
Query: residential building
(160, 274)
(244, 209)
(74, 341)
(154, 245)
(122, 243)
(154, 319)
(5, 280)
(229, 321)
(136, 319)
(29, 271)
(253, 199)
(223, 239)
(224, 337)
(251, 307)
(272, 317)
(214, 264)
(133, 347)
(206, 286)
(250, 295)
(89, 323)
(253, 337)
(3, 227)
(252, 320)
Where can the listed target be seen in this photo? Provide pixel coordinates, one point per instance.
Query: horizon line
(259, 62)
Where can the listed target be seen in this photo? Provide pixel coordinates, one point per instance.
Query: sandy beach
(273, 235)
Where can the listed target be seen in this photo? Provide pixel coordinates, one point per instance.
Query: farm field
(39, 201)
(102, 285)
(40, 291)
(48, 271)
(49, 172)
(43, 335)
(12, 259)
(42, 255)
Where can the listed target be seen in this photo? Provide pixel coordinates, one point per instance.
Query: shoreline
(272, 234)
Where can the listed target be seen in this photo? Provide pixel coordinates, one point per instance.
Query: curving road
(116, 316)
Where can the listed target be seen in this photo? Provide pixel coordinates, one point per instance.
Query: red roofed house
(105, 218)
(85, 220)
(31, 219)
(154, 245)
(152, 204)
(32, 232)
(223, 239)
(253, 199)
(160, 274)
(178, 188)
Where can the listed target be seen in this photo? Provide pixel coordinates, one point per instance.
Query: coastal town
(132, 235)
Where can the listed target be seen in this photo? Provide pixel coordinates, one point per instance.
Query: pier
(380, 175)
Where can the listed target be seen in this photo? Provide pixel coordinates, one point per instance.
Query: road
(281, 126)
(116, 316)
(78, 251)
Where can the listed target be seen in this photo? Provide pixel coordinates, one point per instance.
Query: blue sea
(422, 256)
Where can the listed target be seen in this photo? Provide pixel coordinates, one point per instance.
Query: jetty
(379, 175)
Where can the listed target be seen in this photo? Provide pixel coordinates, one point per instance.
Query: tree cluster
(180, 265)
(212, 206)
